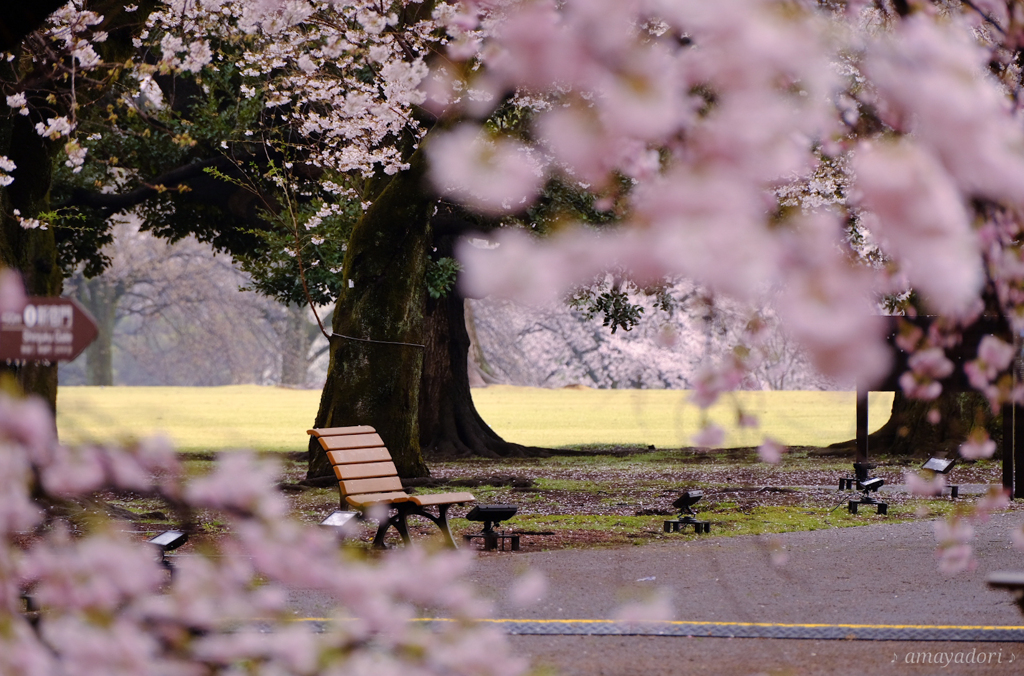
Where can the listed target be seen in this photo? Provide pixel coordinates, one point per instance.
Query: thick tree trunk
(376, 352)
(450, 425)
(909, 432)
(33, 252)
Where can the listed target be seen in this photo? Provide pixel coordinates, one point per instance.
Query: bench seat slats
(365, 470)
(379, 485)
(347, 441)
(356, 455)
(367, 476)
(335, 431)
(364, 499)
(428, 499)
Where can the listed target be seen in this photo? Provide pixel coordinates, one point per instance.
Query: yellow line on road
(713, 624)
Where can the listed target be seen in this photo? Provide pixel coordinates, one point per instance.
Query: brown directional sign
(46, 329)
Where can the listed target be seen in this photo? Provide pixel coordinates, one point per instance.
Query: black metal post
(862, 426)
(1017, 458)
(1009, 414)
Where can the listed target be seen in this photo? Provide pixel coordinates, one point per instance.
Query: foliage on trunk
(449, 422)
(377, 383)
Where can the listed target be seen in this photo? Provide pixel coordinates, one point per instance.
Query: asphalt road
(844, 581)
(872, 575)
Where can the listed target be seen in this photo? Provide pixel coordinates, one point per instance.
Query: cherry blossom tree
(670, 344)
(686, 119)
(717, 116)
(270, 131)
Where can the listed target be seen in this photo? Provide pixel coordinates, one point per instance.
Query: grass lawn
(576, 500)
(275, 419)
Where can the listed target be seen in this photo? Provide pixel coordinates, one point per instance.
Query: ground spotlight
(491, 516)
(341, 522)
(687, 514)
(168, 541)
(868, 484)
(943, 466)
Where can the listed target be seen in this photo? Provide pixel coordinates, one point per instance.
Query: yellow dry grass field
(276, 419)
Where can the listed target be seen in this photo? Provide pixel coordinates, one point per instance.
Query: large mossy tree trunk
(373, 378)
(450, 425)
(32, 252)
(908, 432)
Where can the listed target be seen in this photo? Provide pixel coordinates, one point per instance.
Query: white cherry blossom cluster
(345, 76)
(6, 167)
(28, 223)
(65, 49)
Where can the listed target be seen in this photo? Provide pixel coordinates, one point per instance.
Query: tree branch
(111, 203)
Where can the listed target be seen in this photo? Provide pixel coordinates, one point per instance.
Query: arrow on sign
(48, 328)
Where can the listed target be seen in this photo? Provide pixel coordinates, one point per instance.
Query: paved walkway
(839, 579)
(873, 575)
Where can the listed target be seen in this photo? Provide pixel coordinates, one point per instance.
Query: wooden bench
(367, 478)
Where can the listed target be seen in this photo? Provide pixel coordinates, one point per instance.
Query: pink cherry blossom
(1017, 537)
(709, 436)
(977, 446)
(12, 291)
(495, 175)
(957, 558)
(995, 500)
(917, 387)
(955, 553)
(712, 382)
(919, 214)
(770, 451)
(658, 608)
(931, 363)
(995, 354)
(920, 486)
(529, 589)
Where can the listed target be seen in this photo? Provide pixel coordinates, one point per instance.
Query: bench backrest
(361, 461)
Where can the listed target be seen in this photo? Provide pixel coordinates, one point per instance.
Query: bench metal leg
(382, 530)
(441, 521)
(399, 522)
(402, 526)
